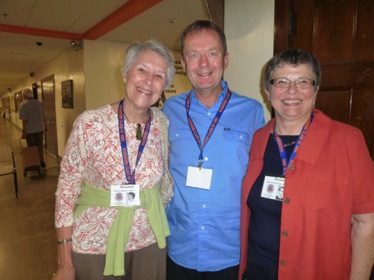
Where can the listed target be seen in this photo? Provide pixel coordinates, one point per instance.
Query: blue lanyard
(212, 126)
(130, 176)
(282, 152)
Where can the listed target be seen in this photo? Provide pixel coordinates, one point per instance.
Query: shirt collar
(221, 96)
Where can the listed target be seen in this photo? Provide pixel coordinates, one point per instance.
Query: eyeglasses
(302, 83)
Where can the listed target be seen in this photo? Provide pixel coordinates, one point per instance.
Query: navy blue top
(264, 224)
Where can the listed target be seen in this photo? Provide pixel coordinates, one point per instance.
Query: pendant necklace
(289, 144)
(138, 127)
(138, 132)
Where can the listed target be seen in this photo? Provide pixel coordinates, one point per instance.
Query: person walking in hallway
(34, 126)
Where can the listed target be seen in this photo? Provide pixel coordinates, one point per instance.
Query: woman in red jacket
(323, 227)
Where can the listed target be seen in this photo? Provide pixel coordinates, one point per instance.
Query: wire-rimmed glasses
(301, 83)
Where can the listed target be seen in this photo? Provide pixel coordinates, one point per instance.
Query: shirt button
(209, 113)
(202, 228)
(206, 158)
(283, 263)
(286, 200)
(204, 206)
(291, 167)
(285, 233)
(177, 135)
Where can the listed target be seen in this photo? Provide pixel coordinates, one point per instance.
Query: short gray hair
(28, 93)
(137, 47)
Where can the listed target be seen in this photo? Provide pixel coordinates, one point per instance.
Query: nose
(149, 79)
(203, 60)
(292, 87)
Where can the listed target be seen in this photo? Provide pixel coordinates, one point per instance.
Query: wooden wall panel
(334, 31)
(365, 32)
(336, 104)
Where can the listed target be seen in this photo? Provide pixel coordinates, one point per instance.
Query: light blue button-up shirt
(205, 224)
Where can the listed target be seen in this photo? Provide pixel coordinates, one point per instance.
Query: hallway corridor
(27, 236)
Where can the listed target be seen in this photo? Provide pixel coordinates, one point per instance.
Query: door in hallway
(48, 93)
(340, 33)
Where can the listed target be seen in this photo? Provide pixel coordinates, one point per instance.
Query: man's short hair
(28, 93)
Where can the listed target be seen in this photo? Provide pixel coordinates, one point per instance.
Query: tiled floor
(27, 235)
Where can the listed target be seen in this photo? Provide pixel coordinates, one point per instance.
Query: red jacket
(332, 178)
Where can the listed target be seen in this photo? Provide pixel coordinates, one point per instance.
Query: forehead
(150, 58)
(202, 39)
(302, 70)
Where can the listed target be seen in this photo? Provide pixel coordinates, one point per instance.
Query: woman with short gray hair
(113, 151)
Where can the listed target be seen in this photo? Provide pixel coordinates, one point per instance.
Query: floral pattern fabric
(93, 155)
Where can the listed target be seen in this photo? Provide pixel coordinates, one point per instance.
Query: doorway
(48, 95)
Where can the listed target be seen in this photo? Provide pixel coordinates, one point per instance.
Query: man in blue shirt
(210, 133)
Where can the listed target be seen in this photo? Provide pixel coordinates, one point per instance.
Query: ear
(226, 59)
(267, 93)
(124, 78)
(315, 96)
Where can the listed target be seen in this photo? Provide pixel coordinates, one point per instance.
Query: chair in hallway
(7, 164)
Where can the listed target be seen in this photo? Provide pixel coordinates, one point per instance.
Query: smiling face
(145, 79)
(292, 104)
(204, 61)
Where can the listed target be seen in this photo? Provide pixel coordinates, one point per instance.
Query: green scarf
(119, 232)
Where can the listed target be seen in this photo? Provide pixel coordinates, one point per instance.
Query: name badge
(273, 188)
(200, 178)
(124, 195)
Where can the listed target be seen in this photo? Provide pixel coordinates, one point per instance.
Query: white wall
(102, 70)
(249, 28)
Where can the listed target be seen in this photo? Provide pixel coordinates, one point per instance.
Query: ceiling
(34, 32)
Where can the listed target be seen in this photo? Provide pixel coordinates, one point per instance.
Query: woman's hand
(65, 269)
(362, 246)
